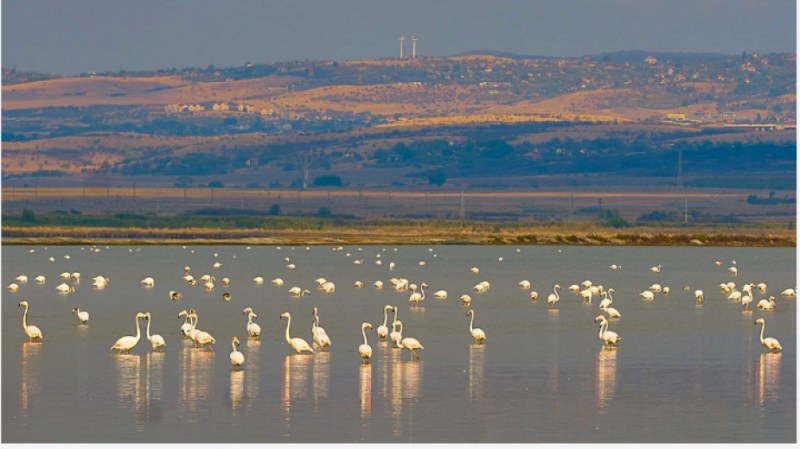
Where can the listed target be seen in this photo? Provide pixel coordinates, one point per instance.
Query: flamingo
(175, 295)
(297, 343)
(699, 296)
(22, 279)
(33, 332)
(13, 287)
(607, 299)
(789, 293)
(534, 295)
(476, 333)
(553, 298)
(258, 280)
(466, 299)
(525, 284)
(417, 297)
(656, 269)
(318, 333)
(83, 316)
(767, 304)
(237, 358)
(395, 335)
(126, 343)
(186, 327)
(770, 343)
(408, 343)
(364, 349)
(253, 329)
(609, 337)
(277, 281)
(157, 341)
(440, 294)
(378, 284)
(148, 282)
(383, 330)
(647, 295)
(203, 338)
(612, 312)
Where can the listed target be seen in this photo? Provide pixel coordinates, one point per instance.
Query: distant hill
(465, 115)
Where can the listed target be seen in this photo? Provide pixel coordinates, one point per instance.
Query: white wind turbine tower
(413, 46)
(402, 38)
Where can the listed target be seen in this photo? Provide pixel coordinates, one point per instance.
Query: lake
(684, 371)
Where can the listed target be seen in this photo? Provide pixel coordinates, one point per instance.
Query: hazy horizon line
(488, 52)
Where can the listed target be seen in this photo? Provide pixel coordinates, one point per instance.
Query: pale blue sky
(73, 36)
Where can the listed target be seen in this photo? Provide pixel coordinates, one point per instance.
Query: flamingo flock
(390, 333)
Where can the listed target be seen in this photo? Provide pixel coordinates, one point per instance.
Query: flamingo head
(759, 321)
(285, 314)
(22, 303)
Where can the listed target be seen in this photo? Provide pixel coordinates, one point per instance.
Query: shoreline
(403, 236)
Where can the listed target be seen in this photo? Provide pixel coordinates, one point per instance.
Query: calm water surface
(683, 372)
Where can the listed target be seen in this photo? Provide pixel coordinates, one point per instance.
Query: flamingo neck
(385, 317)
(25, 318)
(555, 290)
(364, 334)
(148, 328)
(138, 330)
(233, 345)
(763, 325)
(288, 323)
(471, 319)
(603, 328)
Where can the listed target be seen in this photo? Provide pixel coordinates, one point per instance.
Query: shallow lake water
(683, 371)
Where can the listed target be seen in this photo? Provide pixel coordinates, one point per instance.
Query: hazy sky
(73, 36)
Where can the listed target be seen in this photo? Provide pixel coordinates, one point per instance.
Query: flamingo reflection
(320, 377)
(197, 369)
(31, 387)
(606, 375)
(365, 389)
(252, 354)
(296, 373)
(237, 390)
(769, 367)
(476, 364)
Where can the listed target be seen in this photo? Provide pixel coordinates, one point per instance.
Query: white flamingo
(148, 282)
(612, 312)
(476, 332)
(126, 343)
(318, 333)
(647, 295)
(186, 327)
(699, 296)
(770, 343)
(466, 299)
(157, 341)
(767, 304)
(525, 284)
(296, 343)
(553, 298)
(253, 329)
(408, 342)
(383, 330)
(237, 358)
(33, 332)
(607, 298)
(364, 349)
(440, 294)
(609, 337)
(395, 335)
(416, 297)
(83, 316)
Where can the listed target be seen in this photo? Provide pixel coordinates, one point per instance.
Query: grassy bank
(299, 230)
